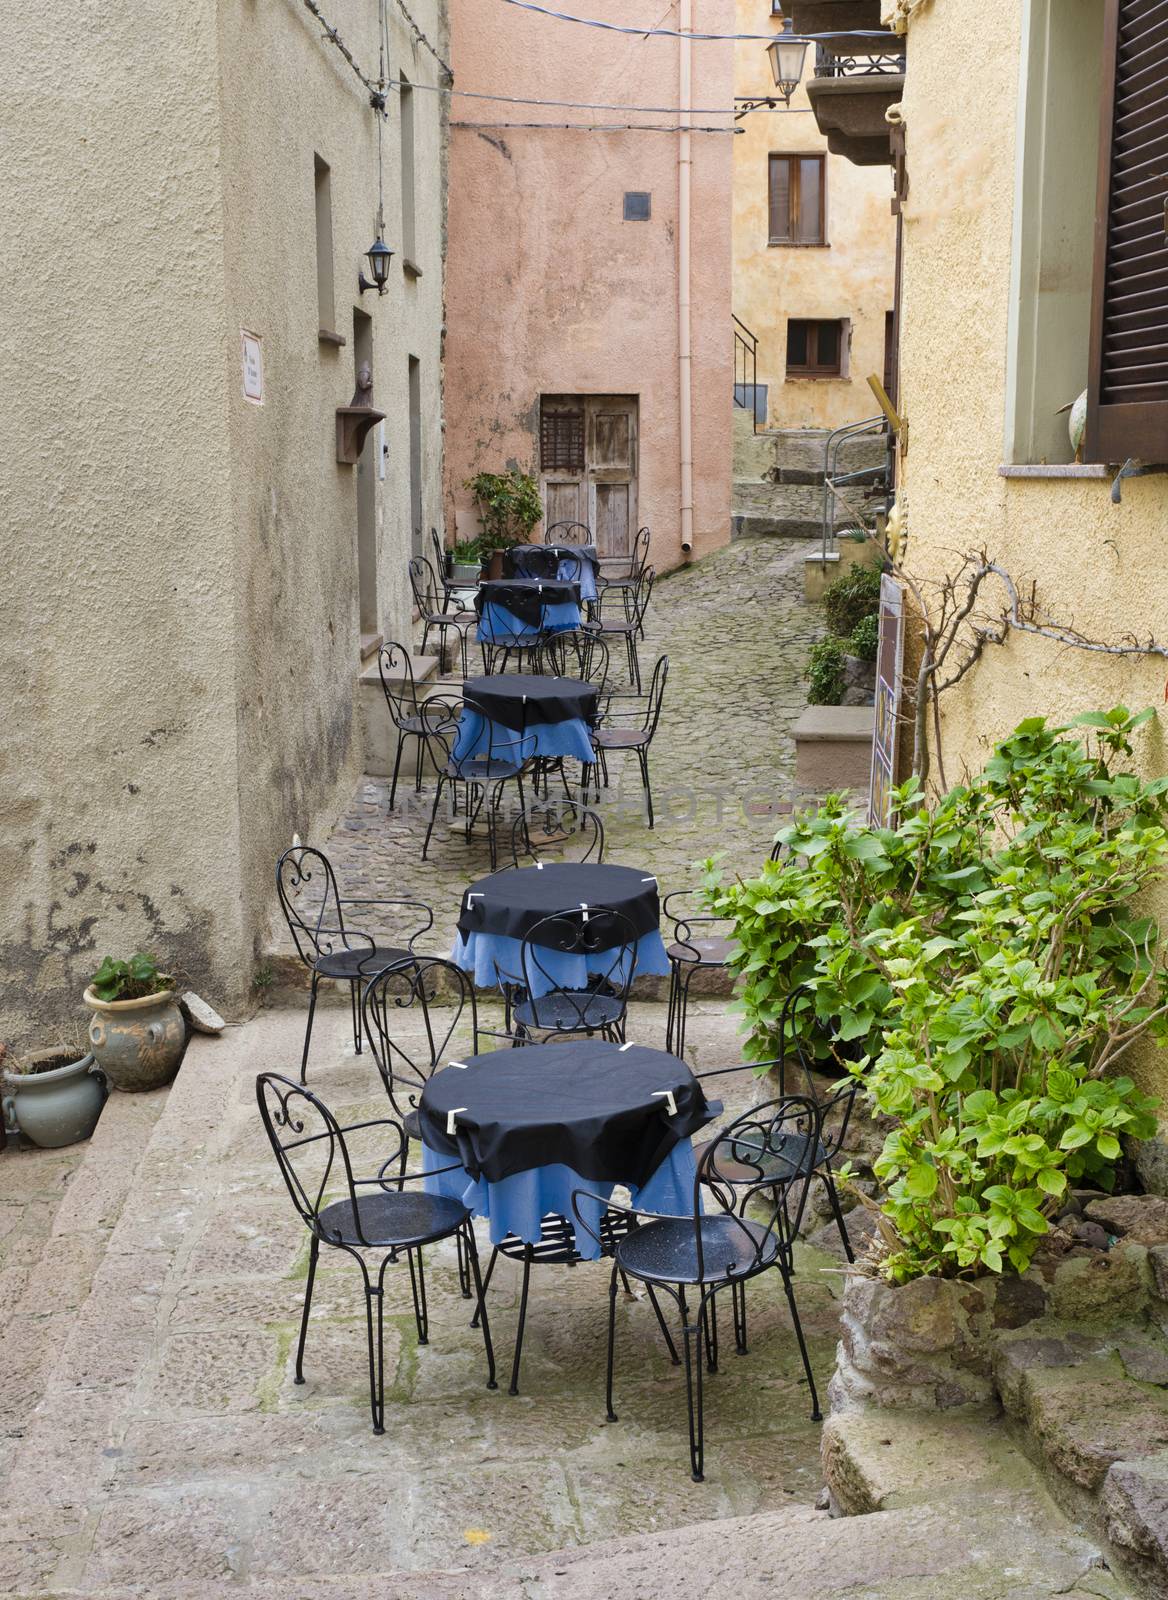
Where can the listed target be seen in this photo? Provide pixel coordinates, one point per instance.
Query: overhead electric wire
(603, 127)
(698, 38)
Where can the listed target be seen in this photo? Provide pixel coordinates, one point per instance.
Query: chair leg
(490, 1272)
(608, 1411)
(418, 765)
(463, 1266)
(480, 1315)
(816, 1414)
(308, 1029)
(401, 739)
(664, 1326)
(354, 1006)
(643, 758)
(738, 1305)
(710, 1331)
(376, 1354)
(833, 1200)
(693, 1384)
(433, 815)
(312, 1255)
(418, 1290)
(683, 1009)
(527, 1254)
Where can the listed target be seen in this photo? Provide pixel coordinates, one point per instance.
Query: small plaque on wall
(253, 367)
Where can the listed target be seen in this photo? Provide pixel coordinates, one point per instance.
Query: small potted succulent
(509, 506)
(54, 1096)
(137, 1029)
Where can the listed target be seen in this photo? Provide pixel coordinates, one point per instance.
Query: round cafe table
(529, 1127)
(573, 563)
(521, 610)
(557, 714)
(498, 911)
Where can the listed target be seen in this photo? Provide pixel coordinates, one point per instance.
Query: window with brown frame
(1127, 388)
(796, 200)
(814, 349)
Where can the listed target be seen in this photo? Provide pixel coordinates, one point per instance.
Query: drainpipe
(684, 352)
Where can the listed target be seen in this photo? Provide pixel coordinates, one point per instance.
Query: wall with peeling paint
(850, 278)
(549, 290)
(178, 621)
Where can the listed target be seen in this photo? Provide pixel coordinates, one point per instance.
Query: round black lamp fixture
(787, 57)
(378, 255)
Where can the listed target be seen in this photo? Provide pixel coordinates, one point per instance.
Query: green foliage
(825, 673)
(865, 638)
(467, 552)
(509, 507)
(850, 599)
(129, 980)
(987, 964)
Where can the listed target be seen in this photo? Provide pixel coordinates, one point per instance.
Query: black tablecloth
(588, 1104)
(511, 902)
(516, 700)
(525, 598)
(543, 560)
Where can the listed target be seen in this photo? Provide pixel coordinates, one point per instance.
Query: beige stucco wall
(852, 277)
(1094, 563)
(178, 620)
(550, 291)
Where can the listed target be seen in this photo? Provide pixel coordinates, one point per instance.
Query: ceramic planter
(59, 1106)
(138, 1043)
(465, 573)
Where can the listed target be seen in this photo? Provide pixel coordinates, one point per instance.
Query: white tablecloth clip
(648, 880)
(539, 866)
(584, 909)
(625, 1047)
(461, 1065)
(450, 1116)
(662, 1094)
(478, 895)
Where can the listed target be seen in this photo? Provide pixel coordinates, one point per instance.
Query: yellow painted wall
(1095, 564)
(851, 277)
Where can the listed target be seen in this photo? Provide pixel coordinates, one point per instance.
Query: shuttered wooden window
(1127, 400)
(795, 194)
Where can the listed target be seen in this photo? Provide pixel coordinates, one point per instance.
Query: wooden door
(588, 465)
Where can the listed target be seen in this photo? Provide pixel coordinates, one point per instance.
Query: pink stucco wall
(549, 290)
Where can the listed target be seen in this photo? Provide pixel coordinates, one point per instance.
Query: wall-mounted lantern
(378, 255)
(788, 55)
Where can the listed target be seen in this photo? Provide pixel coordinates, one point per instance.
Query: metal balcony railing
(830, 65)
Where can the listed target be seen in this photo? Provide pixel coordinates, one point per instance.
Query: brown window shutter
(1127, 394)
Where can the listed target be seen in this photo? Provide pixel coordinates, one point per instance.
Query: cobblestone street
(736, 629)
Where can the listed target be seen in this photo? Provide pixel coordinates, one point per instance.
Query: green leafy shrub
(987, 962)
(467, 552)
(825, 673)
(865, 638)
(850, 599)
(509, 507)
(129, 980)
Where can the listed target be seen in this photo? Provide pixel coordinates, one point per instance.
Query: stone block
(818, 571)
(833, 747)
(873, 1460)
(1110, 1286)
(1141, 1218)
(1134, 1500)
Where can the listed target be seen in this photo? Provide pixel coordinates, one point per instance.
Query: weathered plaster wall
(178, 621)
(1094, 563)
(550, 291)
(851, 277)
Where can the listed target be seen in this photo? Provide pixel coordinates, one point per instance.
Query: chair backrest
(313, 1151)
(558, 830)
(567, 533)
(311, 903)
(683, 908)
(424, 585)
(764, 1159)
(640, 553)
(397, 681)
(581, 653)
(605, 938)
(440, 552)
(412, 1029)
(656, 695)
(441, 716)
(843, 1095)
(642, 594)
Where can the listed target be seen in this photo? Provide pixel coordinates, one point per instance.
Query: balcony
(851, 90)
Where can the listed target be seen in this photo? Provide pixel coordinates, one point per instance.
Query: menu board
(889, 672)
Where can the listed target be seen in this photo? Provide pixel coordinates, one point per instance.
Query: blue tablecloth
(481, 953)
(574, 565)
(568, 738)
(497, 625)
(516, 1204)
(572, 570)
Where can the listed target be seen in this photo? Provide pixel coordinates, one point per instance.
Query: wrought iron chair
(537, 1002)
(369, 1214)
(625, 583)
(701, 943)
(567, 533)
(485, 776)
(720, 1247)
(401, 697)
(430, 604)
(637, 739)
(560, 830)
(329, 946)
(631, 628)
(450, 589)
(581, 653)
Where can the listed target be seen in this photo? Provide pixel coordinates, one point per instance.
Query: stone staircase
(777, 485)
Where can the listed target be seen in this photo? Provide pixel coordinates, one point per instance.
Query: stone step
(833, 747)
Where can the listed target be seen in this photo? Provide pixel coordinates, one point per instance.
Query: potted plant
(466, 560)
(137, 1030)
(509, 507)
(55, 1096)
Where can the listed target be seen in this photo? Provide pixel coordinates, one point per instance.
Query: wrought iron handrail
(829, 64)
(746, 360)
(874, 478)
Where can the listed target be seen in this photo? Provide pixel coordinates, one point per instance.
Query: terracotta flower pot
(58, 1106)
(138, 1043)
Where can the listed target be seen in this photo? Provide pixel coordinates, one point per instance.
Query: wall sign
(253, 367)
(889, 673)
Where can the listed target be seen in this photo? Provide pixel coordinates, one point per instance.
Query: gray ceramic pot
(138, 1043)
(57, 1107)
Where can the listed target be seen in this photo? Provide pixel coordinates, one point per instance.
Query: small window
(814, 349)
(796, 191)
(326, 312)
(561, 437)
(638, 206)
